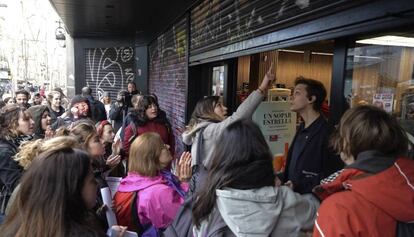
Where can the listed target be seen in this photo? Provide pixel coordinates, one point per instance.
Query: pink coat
(157, 202)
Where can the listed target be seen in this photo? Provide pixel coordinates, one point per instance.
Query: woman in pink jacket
(152, 190)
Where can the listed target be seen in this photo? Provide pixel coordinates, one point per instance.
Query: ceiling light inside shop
(297, 51)
(390, 40)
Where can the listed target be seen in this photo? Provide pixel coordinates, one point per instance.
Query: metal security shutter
(168, 76)
(216, 23)
(109, 70)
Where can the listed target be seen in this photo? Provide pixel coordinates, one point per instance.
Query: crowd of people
(352, 180)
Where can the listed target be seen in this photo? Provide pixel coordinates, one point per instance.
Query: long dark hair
(49, 202)
(140, 117)
(241, 160)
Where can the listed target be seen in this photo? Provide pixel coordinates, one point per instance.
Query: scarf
(17, 141)
(173, 181)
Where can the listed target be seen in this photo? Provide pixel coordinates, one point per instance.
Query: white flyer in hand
(113, 183)
(114, 232)
(107, 200)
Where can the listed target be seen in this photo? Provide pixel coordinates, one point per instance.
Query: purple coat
(157, 202)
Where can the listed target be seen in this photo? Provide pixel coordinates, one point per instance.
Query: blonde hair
(83, 131)
(144, 154)
(30, 150)
(50, 96)
(136, 100)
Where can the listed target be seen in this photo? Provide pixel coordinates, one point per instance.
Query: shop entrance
(312, 60)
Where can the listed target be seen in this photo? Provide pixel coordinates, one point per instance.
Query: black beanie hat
(78, 99)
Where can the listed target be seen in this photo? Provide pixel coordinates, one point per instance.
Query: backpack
(182, 225)
(199, 170)
(126, 205)
(123, 205)
(405, 229)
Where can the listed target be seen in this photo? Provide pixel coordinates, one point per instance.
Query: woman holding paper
(86, 134)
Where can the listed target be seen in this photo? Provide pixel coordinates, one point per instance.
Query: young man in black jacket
(309, 158)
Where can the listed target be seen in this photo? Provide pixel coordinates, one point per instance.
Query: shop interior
(379, 71)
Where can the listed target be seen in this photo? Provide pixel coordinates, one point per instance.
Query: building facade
(362, 51)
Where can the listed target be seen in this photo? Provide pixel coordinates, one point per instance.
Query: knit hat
(78, 99)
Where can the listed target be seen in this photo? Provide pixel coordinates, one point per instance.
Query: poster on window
(383, 101)
(277, 123)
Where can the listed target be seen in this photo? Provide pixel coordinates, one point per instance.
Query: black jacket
(316, 160)
(10, 171)
(97, 110)
(117, 113)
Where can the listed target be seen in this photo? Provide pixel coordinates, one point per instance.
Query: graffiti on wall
(173, 42)
(214, 21)
(109, 69)
(168, 77)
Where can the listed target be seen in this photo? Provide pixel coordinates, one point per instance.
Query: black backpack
(182, 225)
(405, 229)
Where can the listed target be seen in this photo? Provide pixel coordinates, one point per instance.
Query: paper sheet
(114, 233)
(107, 199)
(113, 183)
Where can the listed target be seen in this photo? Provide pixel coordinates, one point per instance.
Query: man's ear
(312, 99)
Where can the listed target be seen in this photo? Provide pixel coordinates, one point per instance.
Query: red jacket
(362, 203)
(151, 126)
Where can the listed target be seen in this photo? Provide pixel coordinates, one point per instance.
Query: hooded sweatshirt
(263, 212)
(367, 198)
(213, 130)
(157, 202)
(37, 112)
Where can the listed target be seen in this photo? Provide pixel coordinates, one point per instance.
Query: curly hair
(140, 117)
(30, 150)
(9, 117)
(55, 207)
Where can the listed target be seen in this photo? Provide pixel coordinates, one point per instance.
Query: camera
(124, 99)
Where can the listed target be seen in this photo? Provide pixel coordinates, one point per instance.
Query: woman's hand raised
(267, 79)
(184, 167)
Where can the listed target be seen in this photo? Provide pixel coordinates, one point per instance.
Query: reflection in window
(218, 81)
(380, 72)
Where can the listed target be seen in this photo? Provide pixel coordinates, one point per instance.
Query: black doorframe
(337, 100)
(200, 83)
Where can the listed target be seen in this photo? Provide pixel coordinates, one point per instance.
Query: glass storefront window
(218, 81)
(380, 72)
